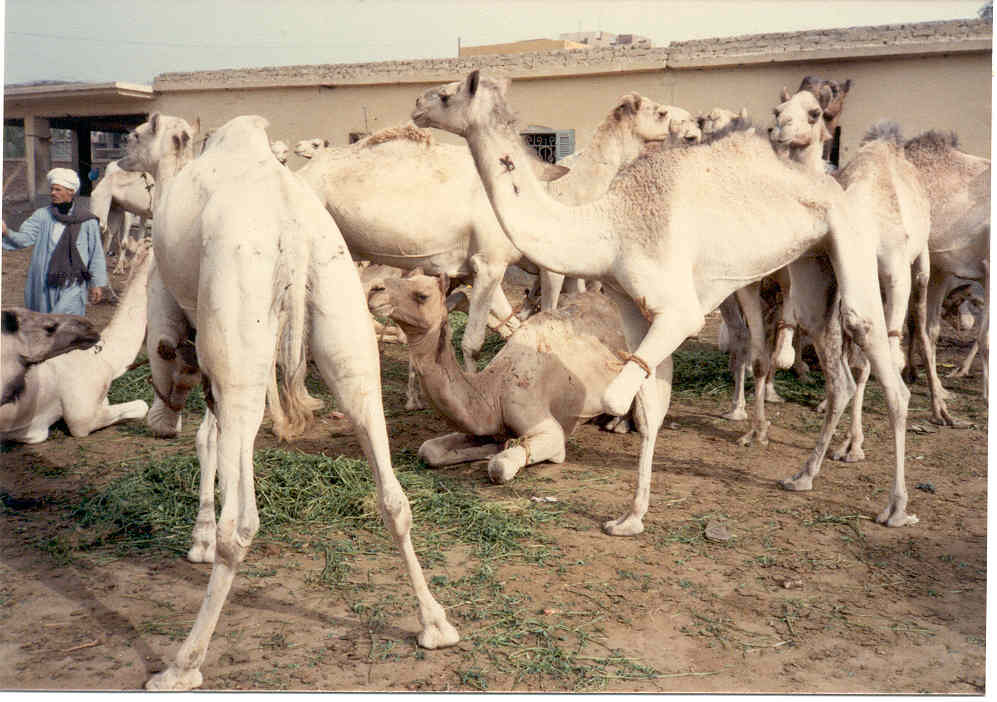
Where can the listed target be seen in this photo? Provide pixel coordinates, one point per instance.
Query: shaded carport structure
(80, 107)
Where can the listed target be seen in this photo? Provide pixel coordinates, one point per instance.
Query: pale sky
(134, 40)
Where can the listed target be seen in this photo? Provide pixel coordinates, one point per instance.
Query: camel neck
(166, 170)
(456, 395)
(811, 157)
(611, 148)
(122, 338)
(549, 233)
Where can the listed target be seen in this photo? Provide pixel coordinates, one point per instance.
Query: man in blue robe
(68, 260)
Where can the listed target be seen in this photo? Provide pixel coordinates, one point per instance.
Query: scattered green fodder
(155, 505)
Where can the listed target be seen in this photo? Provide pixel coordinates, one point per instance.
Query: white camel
(958, 186)
(247, 256)
(30, 338)
(677, 232)
(280, 151)
(882, 184)
(118, 199)
(548, 378)
(307, 148)
(372, 187)
(74, 386)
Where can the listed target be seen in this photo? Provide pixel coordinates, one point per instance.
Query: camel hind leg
(451, 449)
(345, 351)
(863, 319)
(542, 441)
(737, 349)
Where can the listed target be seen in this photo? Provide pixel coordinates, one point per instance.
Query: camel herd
(252, 271)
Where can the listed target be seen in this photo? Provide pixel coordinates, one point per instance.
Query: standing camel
(74, 386)
(677, 232)
(116, 199)
(372, 187)
(958, 186)
(29, 338)
(247, 256)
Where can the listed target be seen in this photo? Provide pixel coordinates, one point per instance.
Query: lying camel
(30, 338)
(677, 232)
(257, 267)
(958, 187)
(548, 378)
(74, 386)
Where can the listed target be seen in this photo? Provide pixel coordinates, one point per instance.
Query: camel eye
(444, 98)
(50, 329)
(420, 297)
(813, 114)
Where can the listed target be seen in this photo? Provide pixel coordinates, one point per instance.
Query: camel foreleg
(737, 349)
(486, 294)
(543, 441)
(202, 549)
(455, 448)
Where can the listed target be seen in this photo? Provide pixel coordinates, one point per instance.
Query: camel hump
(406, 132)
(884, 130)
(933, 140)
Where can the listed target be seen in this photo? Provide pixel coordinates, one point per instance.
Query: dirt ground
(808, 595)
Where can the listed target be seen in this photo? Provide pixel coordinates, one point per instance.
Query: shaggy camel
(615, 144)
(958, 186)
(549, 377)
(74, 386)
(256, 266)
(670, 244)
(880, 182)
(371, 188)
(117, 199)
(30, 338)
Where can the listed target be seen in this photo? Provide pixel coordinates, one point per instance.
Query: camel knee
(431, 453)
(163, 422)
(395, 512)
(856, 325)
(232, 542)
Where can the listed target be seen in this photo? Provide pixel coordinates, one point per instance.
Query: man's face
(60, 194)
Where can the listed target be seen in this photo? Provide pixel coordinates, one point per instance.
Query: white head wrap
(66, 177)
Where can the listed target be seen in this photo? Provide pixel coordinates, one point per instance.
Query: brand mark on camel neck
(507, 162)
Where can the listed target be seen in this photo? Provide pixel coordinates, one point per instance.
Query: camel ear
(10, 324)
(629, 104)
(196, 126)
(784, 95)
(154, 122)
(472, 82)
(743, 114)
(846, 86)
(825, 96)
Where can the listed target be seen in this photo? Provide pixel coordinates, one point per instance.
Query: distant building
(606, 39)
(528, 46)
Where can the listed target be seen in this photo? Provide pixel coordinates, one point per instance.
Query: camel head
(461, 106)
(836, 102)
(160, 139)
(36, 337)
(281, 151)
(649, 121)
(307, 148)
(720, 119)
(799, 120)
(417, 302)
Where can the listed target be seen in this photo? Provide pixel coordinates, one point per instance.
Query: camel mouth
(420, 118)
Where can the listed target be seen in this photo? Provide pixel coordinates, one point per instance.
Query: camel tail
(292, 408)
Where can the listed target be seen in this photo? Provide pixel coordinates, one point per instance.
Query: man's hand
(4, 225)
(96, 295)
